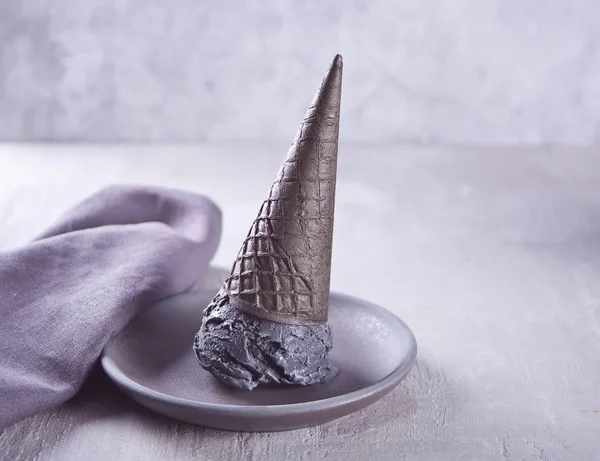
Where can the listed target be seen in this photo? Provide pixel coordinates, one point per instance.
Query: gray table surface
(492, 257)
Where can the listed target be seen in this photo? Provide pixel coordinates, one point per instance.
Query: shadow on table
(100, 414)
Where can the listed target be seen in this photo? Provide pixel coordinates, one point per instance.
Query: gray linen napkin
(65, 294)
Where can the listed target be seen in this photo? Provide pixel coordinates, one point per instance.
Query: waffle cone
(282, 272)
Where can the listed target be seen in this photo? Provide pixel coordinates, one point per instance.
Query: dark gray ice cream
(243, 350)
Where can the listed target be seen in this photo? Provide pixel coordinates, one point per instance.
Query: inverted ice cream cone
(267, 324)
(282, 272)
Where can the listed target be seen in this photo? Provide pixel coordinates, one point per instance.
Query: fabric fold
(63, 295)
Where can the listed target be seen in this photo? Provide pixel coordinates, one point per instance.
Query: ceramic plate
(152, 360)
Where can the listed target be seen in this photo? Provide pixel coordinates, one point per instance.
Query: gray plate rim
(120, 378)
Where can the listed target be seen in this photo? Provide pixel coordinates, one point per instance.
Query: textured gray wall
(451, 71)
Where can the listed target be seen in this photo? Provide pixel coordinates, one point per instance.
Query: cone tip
(337, 61)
